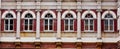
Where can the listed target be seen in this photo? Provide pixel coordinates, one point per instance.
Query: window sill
(69, 31)
(89, 31)
(108, 31)
(28, 31)
(48, 31)
(8, 31)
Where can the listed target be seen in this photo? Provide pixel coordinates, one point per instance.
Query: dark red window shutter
(95, 25)
(102, 25)
(62, 25)
(75, 25)
(2, 24)
(82, 25)
(41, 25)
(15, 24)
(55, 24)
(34, 25)
(115, 24)
(22, 25)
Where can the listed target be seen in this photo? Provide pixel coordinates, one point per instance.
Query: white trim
(71, 12)
(11, 12)
(46, 12)
(111, 12)
(26, 12)
(86, 12)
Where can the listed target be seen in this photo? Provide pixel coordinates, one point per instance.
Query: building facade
(51, 24)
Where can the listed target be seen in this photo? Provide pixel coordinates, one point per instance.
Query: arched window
(28, 22)
(108, 22)
(9, 23)
(69, 21)
(89, 22)
(48, 22)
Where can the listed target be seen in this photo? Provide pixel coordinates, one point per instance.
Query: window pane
(71, 27)
(71, 21)
(46, 27)
(91, 22)
(66, 22)
(86, 22)
(106, 22)
(51, 22)
(91, 27)
(30, 27)
(111, 24)
(26, 21)
(6, 27)
(6, 21)
(26, 27)
(50, 27)
(11, 21)
(31, 21)
(86, 27)
(106, 27)
(11, 27)
(66, 27)
(46, 22)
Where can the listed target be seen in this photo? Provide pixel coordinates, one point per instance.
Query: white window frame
(69, 25)
(108, 19)
(89, 25)
(28, 29)
(8, 24)
(49, 24)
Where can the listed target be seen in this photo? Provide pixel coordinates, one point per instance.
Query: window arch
(89, 22)
(48, 22)
(108, 22)
(9, 22)
(28, 22)
(69, 22)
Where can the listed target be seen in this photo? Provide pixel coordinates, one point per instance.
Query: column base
(78, 38)
(37, 38)
(99, 38)
(58, 38)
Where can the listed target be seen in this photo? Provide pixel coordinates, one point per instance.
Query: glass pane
(30, 27)
(11, 27)
(46, 27)
(31, 21)
(106, 22)
(106, 27)
(46, 22)
(71, 21)
(51, 21)
(91, 22)
(11, 21)
(26, 27)
(86, 22)
(6, 27)
(6, 21)
(50, 27)
(66, 27)
(111, 22)
(91, 27)
(26, 21)
(86, 27)
(66, 22)
(71, 27)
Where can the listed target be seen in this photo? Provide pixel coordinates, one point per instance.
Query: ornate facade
(50, 24)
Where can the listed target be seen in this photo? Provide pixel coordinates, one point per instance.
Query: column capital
(18, 10)
(79, 10)
(37, 10)
(99, 10)
(59, 10)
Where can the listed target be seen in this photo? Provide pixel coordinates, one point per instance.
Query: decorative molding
(26, 12)
(111, 12)
(86, 12)
(48, 11)
(11, 12)
(71, 12)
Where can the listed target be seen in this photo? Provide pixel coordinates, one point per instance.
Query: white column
(99, 25)
(38, 25)
(78, 25)
(18, 25)
(59, 25)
